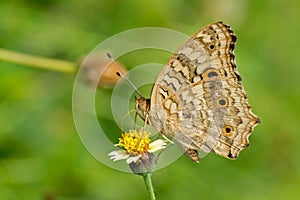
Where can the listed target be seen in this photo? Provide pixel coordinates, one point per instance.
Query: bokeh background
(41, 155)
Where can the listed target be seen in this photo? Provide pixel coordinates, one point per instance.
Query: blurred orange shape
(98, 64)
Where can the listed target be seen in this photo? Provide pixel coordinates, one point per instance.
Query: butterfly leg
(123, 118)
(167, 139)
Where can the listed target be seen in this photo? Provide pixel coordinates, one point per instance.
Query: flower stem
(148, 183)
(37, 61)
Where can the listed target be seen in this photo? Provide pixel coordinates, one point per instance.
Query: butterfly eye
(227, 130)
(211, 46)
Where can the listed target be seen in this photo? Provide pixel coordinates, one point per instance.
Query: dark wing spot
(231, 46)
(222, 102)
(227, 130)
(233, 37)
(230, 155)
(212, 74)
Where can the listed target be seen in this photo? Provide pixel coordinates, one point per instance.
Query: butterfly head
(142, 104)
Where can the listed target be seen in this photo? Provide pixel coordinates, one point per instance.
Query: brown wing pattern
(198, 98)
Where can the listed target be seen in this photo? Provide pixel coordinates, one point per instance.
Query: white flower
(135, 145)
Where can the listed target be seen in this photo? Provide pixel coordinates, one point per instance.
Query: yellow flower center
(135, 142)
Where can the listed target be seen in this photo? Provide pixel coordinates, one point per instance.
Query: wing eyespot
(222, 102)
(227, 130)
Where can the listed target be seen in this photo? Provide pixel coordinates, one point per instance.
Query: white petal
(118, 155)
(113, 153)
(133, 158)
(157, 145)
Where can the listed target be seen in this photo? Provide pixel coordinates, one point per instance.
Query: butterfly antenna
(123, 76)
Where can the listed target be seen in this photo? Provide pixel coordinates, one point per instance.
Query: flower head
(135, 142)
(138, 151)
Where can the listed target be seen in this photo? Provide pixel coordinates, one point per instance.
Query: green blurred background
(41, 155)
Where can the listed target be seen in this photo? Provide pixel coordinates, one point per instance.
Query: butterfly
(198, 98)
